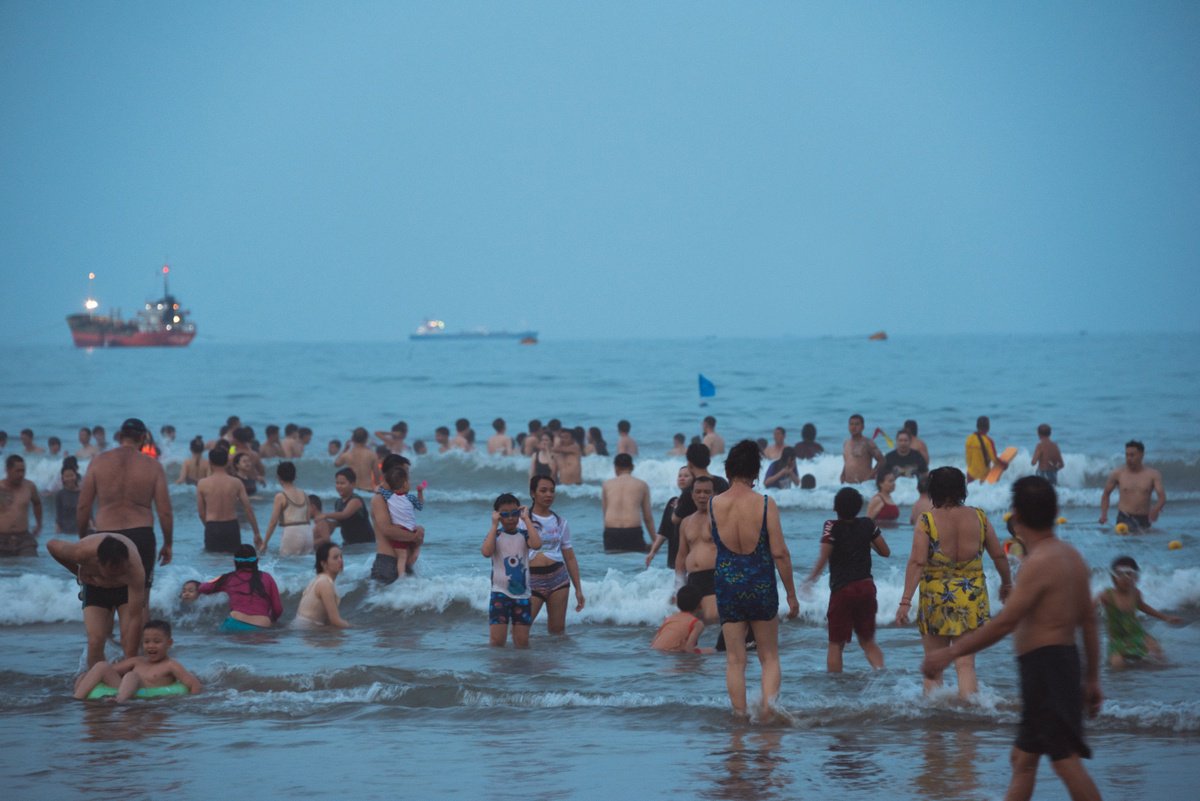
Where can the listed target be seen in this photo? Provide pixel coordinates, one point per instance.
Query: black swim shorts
(1052, 701)
(105, 597)
(703, 580)
(624, 540)
(222, 536)
(147, 546)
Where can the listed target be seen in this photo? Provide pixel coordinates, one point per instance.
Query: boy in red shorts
(846, 545)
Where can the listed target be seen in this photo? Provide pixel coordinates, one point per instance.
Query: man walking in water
(1136, 483)
(127, 487)
(625, 502)
(861, 457)
(1050, 602)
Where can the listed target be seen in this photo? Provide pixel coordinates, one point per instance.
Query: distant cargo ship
(163, 323)
(432, 329)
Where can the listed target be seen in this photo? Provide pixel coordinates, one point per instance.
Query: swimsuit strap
(930, 526)
(982, 529)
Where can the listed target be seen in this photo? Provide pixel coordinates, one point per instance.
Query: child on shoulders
(154, 669)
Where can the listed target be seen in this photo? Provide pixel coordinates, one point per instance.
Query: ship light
(176, 307)
(90, 304)
(160, 307)
(91, 276)
(168, 326)
(177, 318)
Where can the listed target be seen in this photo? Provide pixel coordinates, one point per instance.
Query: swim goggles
(1125, 572)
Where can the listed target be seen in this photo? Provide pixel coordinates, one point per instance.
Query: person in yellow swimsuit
(947, 562)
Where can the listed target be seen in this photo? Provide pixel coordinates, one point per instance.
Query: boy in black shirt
(846, 545)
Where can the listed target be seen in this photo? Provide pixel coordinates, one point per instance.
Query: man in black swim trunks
(696, 561)
(1048, 604)
(625, 503)
(109, 568)
(127, 487)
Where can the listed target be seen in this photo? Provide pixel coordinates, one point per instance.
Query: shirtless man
(773, 450)
(500, 442)
(273, 447)
(217, 500)
(109, 566)
(464, 439)
(1047, 457)
(28, 444)
(625, 443)
(1136, 482)
(291, 442)
(625, 501)
(361, 459)
(918, 444)
(861, 457)
(86, 449)
(394, 439)
(698, 460)
(1050, 602)
(441, 435)
(99, 439)
(243, 441)
(697, 557)
(127, 487)
(714, 441)
(17, 494)
(531, 439)
(568, 457)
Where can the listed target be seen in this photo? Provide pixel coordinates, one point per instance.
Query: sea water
(413, 702)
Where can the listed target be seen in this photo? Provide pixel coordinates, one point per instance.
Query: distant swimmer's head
(698, 455)
(243, 436)
(196, 446)
(396, 478)
(983, 424)
(535, 426)
(190, 591)
(314, 503)
(808, 481)
(290, 429)
(885, 482)
(623, 426)
(744, 461)
(847, 503)
(1134, 453)
(419, 448)
(679, 440)
(856, 425)
(441, 435)
(623, 463)
(272, 431)
(393, 459)
(702, 491)
(400, 428)
(683, 477)
(788, 454)
(780, 433)
(1044, 430)
(286, 471)
(1034, 504)
(688, 598)
(808, 433)
(498, 425)
(1124, 571)
(911, 427)
(305, 434)
(218, 456)
(133, 430)
(947, 487)
(359, 436)
(14, 466)
(709, 423)
(329, 558)
(462, 424)
(334, 447)
(903, 442)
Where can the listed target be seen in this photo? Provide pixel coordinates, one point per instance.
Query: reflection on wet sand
(750, 767)
(948, 772)
(851, 763)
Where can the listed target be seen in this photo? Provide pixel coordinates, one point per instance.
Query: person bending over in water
(680, 632)
(1127, 640)
(319, 603)
(154, 669)
(254, 602)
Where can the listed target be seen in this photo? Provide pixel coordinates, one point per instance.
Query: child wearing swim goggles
(1128, 641)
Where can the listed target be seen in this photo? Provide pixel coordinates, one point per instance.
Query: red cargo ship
(163, 323)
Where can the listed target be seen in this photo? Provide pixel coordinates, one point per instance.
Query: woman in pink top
(253, 596)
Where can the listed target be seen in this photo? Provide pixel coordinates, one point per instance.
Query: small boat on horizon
(432, 328)
(162, 323)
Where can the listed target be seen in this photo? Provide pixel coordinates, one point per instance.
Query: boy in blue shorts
(508, 547)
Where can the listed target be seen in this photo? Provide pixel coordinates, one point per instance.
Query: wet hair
(555, 424)
(623, 461)
(98, 430)
(598, 441)
(360, 436)
(54, 441)
(245, 558)
(808, 432)
(623, 426)
(26, 432)
(243, 434)
(787, 453)
(781, 430)
(982, 422)
(743, 461)
(71, 462)
(578, 434)
(419, 447)
(911, 427)
(947, 487)
(710, 421)
(289, 429)
(396, 475)
(857, 417)
(699, 455)
(336, 443)
(534, 481)
(401, 427)
(112, 552)
(504, 499)
(393, 459)
(191, 581)
(1133, 443)
(883, 476)
(808, 481)
(462, 424)
(688, 598)
(322, 553)
(382, 451)
(272, 429)
(315, 500)
(304, 431)
(74, 468)
(286, 471)
(348, 474)
(904, 432)
(158, 625)
(534, 426)
(442, 430)
(923, 484)
(231, 419)
(703, 479)
(13, 460)
(196, 445)
(847, 503)
(238, 458)
(218, 456)
(679, 439)
(1125, 561)
(1035, 502)
(1044, 430)
(499, 425)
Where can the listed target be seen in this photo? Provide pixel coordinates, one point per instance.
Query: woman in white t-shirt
(552, 568)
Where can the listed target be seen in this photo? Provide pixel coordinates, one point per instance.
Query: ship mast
(90, 304)
(166, 268)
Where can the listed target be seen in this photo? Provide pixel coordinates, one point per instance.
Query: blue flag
(707, 388)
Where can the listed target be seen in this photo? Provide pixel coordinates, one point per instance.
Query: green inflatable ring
(104, 691)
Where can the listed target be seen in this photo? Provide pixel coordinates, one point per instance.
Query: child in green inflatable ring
(149, 676)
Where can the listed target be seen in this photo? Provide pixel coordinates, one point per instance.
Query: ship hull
(90, 332)
(459, 336)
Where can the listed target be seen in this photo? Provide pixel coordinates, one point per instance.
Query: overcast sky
(337, 171)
